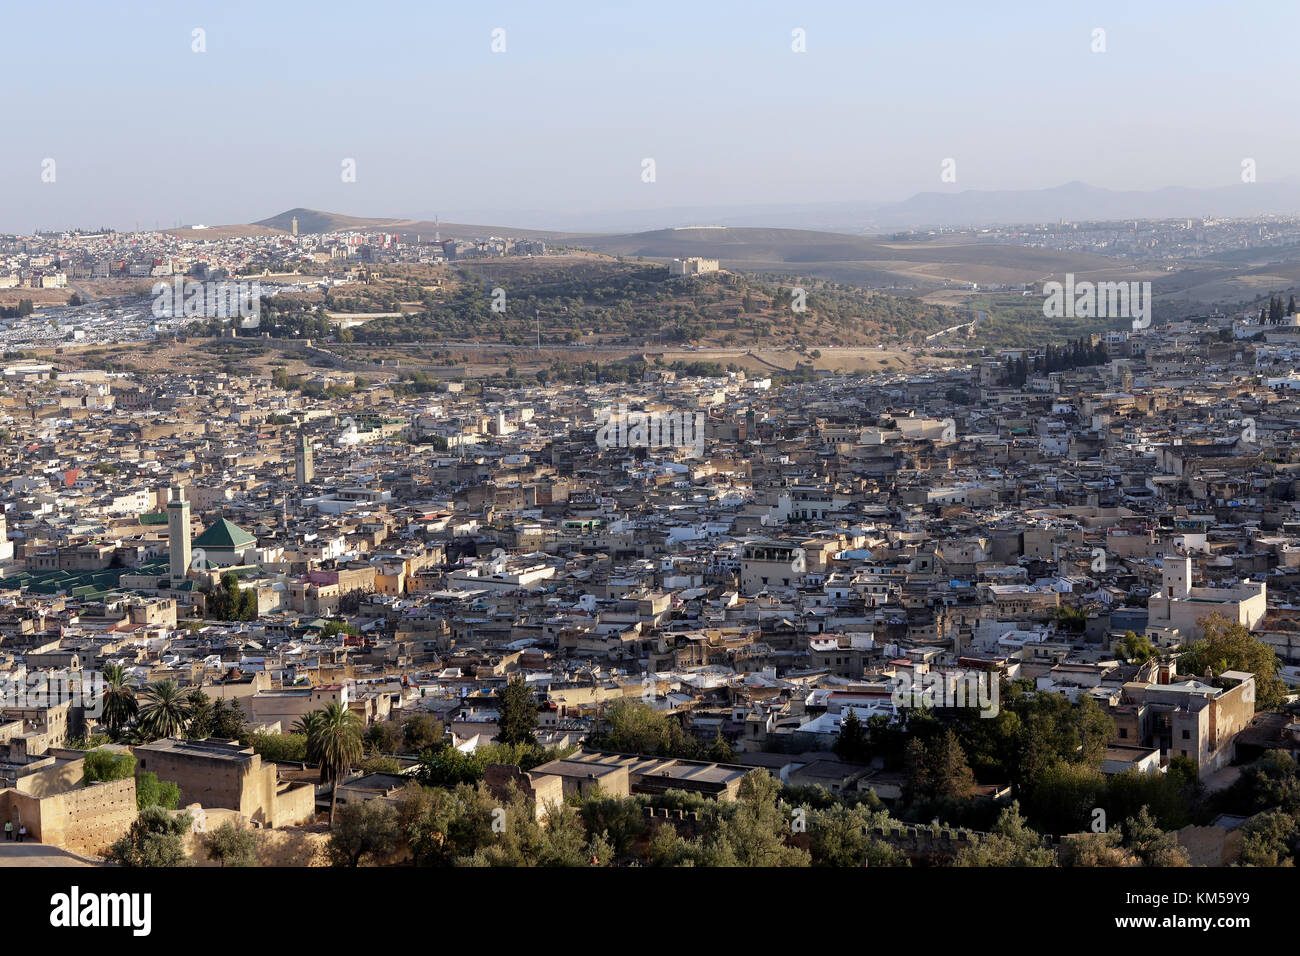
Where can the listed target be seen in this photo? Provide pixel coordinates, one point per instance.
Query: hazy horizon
(554, 130)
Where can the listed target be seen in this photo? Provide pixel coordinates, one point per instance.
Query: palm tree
(333, 739)
(303, 725)
(119, 703)
(166, 709)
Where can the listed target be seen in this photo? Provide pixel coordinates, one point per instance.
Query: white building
(1179, 606)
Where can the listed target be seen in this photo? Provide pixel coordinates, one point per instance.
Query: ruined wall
(85, 820)
(294, 804)
(1210, 846)
(542, 790)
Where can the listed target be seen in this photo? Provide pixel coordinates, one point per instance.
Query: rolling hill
(314, 221)
(858, 260)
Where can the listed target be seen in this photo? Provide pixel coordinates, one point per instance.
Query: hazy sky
(144, 131)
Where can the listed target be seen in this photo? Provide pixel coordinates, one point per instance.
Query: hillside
(591, 299)
(314, 221)
(311, 221)
(861, 260)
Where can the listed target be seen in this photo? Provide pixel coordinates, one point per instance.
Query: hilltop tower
(178, 535)
(293, 227)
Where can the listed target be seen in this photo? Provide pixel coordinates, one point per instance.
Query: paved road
(35, 854)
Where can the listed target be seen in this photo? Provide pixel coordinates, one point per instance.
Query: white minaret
(178, 535)
(1176, 576)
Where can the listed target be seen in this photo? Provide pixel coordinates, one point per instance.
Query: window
(1187, 735)
(1123, 733)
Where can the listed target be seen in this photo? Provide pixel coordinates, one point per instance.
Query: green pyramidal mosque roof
(224, 536)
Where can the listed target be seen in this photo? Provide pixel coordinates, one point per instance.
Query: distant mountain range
(855, 242)
(1073, 202)
(1079, 201)
(967, 208)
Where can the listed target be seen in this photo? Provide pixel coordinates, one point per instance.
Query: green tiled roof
(224, 536)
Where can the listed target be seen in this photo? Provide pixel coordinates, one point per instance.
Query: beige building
(47, 797)
(1179, 607)
(221, 773)
(1187, 717)
(622, 774)
(693, 266)
(771, 563)
(287, 704)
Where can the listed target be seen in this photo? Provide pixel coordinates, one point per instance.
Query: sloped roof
(224, 535)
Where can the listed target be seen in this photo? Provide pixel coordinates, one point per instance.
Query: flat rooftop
(211, 749)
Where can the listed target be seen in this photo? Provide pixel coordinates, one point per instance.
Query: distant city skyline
(556, 128)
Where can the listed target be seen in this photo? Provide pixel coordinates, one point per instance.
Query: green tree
(447, 767)
(620, 821)
(444, 825)
(380, 763)
(286, 747)
(841, 836)
(1011, 843)
(518, 838)
(156, 838)
(102, 766)
(229, 602)
(165, 710)
(119, 706)
(1063, 797)
(231, 845)
(1272, 782)
(334, 741)
(1153, 846)
(1269, 839)
(518, 717)
(720, 751)
(853, 744)
(1229, 645)
(1136, 648)
(755, 832)
(1095, 849)
(365, 830)
(632, 726)
(228, 719)
(939, 770)
(420, 732)
(383, 736)
(152, 792)
(201, 718)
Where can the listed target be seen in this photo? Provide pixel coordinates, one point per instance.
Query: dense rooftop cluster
(767, 581)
